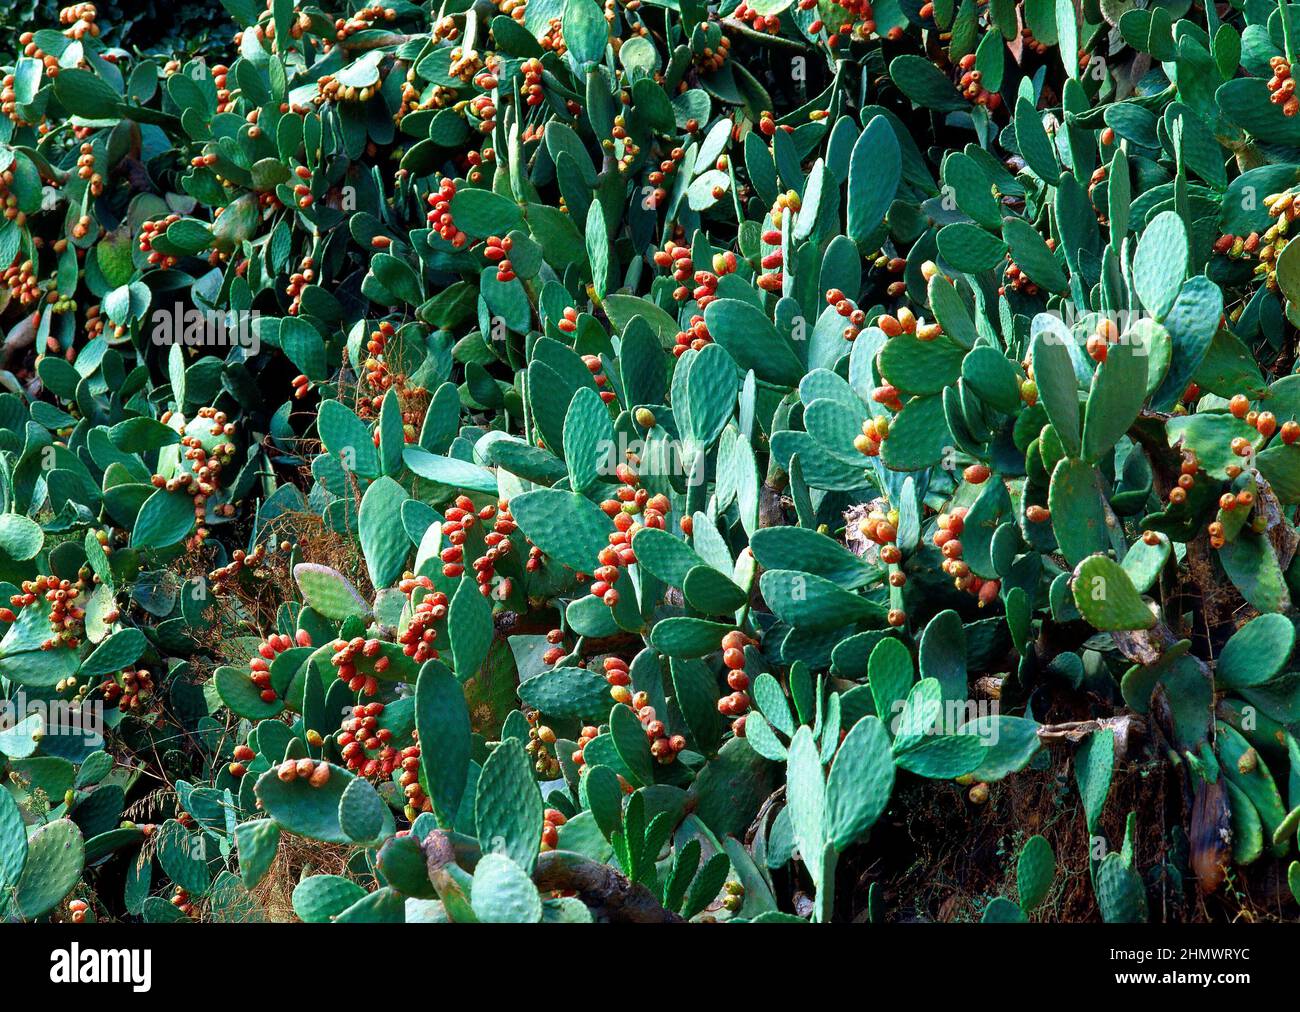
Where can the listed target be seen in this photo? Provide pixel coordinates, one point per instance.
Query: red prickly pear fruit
(734, 640)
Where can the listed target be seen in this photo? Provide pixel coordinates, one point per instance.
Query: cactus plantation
(652, 460)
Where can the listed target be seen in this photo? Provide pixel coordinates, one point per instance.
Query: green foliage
(561, 457)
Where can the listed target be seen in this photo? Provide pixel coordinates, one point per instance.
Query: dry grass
(942, 858)
(295, 858)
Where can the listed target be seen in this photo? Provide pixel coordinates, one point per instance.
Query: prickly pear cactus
(566, 464)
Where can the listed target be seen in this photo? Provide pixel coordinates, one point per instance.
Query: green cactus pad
(1030, 251)
(118, 651)
(942, 654)
(942, 756)
(812, 602)
(567, 692)
(442, 716)
(569, 528)
(891, 674)
(256, 843)
(1078, 510)
(383, 540)
(1256, 652)
(328, 592)
(1118, 390)
(1143, 562)
(1009, 744)
(183, 856)
(1247, 830)
(1120, 893)
(508, 805)
(1210, 437)
(696, 690)
(1246, 771)
(806, 797)
(993, 378)
(920, 367)
(305, 810)
(874, 170)
(503, 893)
(710, 592)
(1058, 387)
(630, 743)
(1287, 828)
(13, 841)
(345, 436)
(238, 692)
(969, 248)
(1252, 566)
(318, 899)
(588, 438)
(834, 426)
(1093, 768)
(404, 867)
(860, 783)
(1019, 617)
(156, 910)
(918, 436)
(362, 813)
(165, 519)
(1002, 911)
(763, 740)
(1160, 263)
(982, 523)
(56, 855)
(602, 795)
(1106, 598)
(469, 622)
(22, 739)
(1035, 870)
(665, 557)
(751, 340)
(799, 548)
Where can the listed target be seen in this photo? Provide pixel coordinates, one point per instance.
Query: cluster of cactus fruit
(513, 444)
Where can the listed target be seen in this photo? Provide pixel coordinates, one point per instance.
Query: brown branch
(378, 41)
(1211, 835)
(761, 38)
(771, 510)
(777, 797)
(21, 337)
(1125, 726)
(608, 893)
